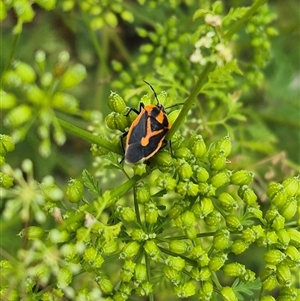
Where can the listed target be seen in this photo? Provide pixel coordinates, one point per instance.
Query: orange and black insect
(147, 133)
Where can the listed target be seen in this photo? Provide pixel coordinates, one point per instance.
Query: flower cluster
(33, 94)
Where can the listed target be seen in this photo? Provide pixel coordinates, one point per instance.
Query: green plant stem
(78, 132)
(236, 26)
(190, 100)
(148, 268)
(12, 52)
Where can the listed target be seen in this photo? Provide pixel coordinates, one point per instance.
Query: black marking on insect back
(136, 152)
(157, 125)
(139, 131)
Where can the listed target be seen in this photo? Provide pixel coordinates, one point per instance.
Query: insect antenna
(155, 95)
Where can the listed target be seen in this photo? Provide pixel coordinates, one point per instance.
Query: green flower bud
(142, 192)
(218, 162)
(176, 210)
(57, 236)
(184, 170)
(293, 253)
(139, 169)
(145, 289)
(185, 290)
(284, 276)
(6, 144)
(274, 256)
(187, 188)
(234, 269)
(65, 102)
(271, 214)
(242, 177)
(227, 202)
(176, 263)
(11, 79)
(200, 274)
(224, 145)
(200, 255)
(127, 271)
(289, 294)
(206, 189)
(221, 178)
(182, 153)
(32, 233)
(47, 5)
(197, 146)
(24, 10)
(233, 223)
(201, 173)
(140, 272)
(116, 102)
(217, 261)
(130, 250)
(255, 211)
(179, 246)
(248, 235)
(186, 219)
(84, 235)
(109, 247)
(269, 280)
(228, 294)
(239, 246)
(25, 72)
(213, 219)
(291, 185)
(152, 250)
(289, 209)
(74, 191)
(73, 76)
(259, 231)
(6, 181)
(126, 213)
(273, 189)
(294, 237)
(151, 213)
(36, 95)
(173, 275)
(69, 252)
(139, 235)
(104, 283)
(51, 192)
(283, 238)
(247, 195)
(191, 232)
(248, 277)
(64, 277)
(8, 100)
(40, 59)
(18, 116)
(93, 258)
(278, 222)
(164, 161)
(202, 208)
(206, 291)
(116, 121)
(221, 239)
(166, 182)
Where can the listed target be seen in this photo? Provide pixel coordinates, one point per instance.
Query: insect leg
(135, 110)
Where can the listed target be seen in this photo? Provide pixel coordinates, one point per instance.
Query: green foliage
(186, 222)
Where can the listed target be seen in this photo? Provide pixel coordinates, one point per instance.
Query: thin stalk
(12, 52)
(236, 26)
(78, 132)
(190, 100)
